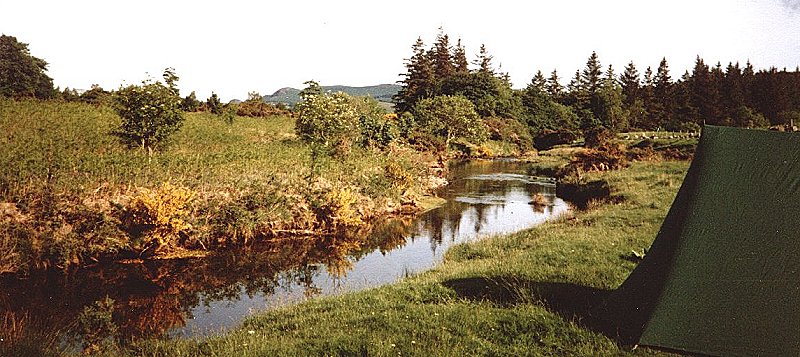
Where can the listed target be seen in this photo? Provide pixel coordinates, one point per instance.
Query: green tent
(723, 274)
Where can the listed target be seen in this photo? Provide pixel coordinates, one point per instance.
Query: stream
(202, 297)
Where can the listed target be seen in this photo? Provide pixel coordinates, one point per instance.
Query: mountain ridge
(381, 92)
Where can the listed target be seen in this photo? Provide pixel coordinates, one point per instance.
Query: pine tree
(484, 61)
(631, 85)
(733, 94)
(554, 87)
(591, 74)
(440, 57)
(577, 96)
(539, 82)
(611, 113)
(648, 101)
(460, 58)
(718, 104)
(684, 110)
(662, 91)
(419, 79)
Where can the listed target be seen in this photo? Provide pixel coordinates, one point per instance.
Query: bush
(450, 117)
(378, 129)
(157, 218)
(596, 137)
(255, 107)
(509, 130)
(327, 120)
(337, 210)
(150, 112)
(546, 140)
(214, 104)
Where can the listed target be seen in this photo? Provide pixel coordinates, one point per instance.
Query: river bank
(71, 196)
(527, 293)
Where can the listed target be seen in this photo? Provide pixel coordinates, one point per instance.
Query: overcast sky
(233, 47)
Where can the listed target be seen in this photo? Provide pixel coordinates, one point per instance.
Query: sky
(235, 47)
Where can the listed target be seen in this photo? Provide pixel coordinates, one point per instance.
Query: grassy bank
(71, 194)
(523, 294)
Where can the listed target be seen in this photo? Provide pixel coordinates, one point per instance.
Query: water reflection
(203, 296)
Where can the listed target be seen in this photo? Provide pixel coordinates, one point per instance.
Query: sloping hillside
(381, 92)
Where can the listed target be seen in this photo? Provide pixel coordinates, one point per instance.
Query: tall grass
(65, 173)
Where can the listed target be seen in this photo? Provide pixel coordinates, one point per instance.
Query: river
(201, 297)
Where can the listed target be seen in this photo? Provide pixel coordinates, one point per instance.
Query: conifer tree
(460, 58)
(554, 87)
(591, 74)
(440, 57)
(539, 82)
(662, 91)
(611, 113)
(419, 79)
(484, 61)
(631, 85)
(648, 101)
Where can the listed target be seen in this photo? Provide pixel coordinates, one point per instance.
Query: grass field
(523, 294)
(66, 181)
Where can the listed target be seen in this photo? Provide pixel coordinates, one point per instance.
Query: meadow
(68, 186)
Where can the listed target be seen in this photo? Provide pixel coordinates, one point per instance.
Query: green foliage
(510, 130)
(190, 103)
(21, 74)
(150, 112)
(491, 96)
(96, 95)
(450, 117)
(543, 114)
(255, 107)
(214, 104)
(327, 120)
(378, 128)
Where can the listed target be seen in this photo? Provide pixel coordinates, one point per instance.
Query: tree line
(597, 97)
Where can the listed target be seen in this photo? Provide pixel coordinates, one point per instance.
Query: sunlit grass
(522, 294)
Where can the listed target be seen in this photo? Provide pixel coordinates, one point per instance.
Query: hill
(381, 92)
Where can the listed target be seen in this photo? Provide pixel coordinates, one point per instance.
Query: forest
(598, 97)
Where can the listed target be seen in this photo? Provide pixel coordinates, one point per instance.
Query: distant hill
(382, 93)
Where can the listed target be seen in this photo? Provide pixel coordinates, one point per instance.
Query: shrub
(509, 130)
(255, 107)
(214, 104)
(378, 129)
(327, 120)
(400, 179)
(450, 117)
(546, 140)
(596, 137)
(337, 210)
(157, 218)
(150, 112)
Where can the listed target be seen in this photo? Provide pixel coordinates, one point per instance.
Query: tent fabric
(722, 276)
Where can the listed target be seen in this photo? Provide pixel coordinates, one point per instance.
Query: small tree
(214, 104)
(150, 112)
(450, 117)
(190, 103)
(326, 119)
